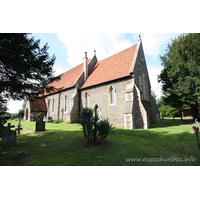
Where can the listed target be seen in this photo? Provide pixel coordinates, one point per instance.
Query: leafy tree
(153, 94)
(166, 110)
(3, 107)
(20, 113)
(94, 130)
(180, 77)
(25, 68)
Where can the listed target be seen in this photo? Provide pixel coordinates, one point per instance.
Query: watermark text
(161, 159)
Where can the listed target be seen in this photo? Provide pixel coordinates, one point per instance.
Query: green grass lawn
(62, 145)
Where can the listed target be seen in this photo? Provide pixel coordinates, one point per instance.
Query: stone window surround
(66, 100)
(86, 99)
(110, 95)
(95, 107)
(53, 105)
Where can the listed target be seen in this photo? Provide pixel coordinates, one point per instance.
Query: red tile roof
(38, 105)
(111, 68)
(68, 79)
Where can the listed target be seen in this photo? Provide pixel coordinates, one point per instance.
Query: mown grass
(62, 145)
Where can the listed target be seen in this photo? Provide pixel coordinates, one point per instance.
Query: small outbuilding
(33, 108)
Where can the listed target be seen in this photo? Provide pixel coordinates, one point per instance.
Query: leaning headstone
(20, 154)
(18, 127)
(8, 138)
(40, 124)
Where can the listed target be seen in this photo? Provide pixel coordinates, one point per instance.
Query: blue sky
(69, 50)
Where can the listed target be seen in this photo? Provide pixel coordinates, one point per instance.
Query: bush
(57, 121)
(94, 129)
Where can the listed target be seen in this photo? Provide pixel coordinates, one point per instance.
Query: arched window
(147, 90)
(53, 105)
(140, 80)
(144, 84)
(65, 103)
(86, 100)
(112, 95)
(48, 105)
(96, 110)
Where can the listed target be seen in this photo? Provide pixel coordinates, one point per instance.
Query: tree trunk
(196, 131)
(195, 111)
(181, 113)
(84, 131)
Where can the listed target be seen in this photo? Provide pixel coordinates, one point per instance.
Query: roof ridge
(75, 67)
(118, 52)
(111, 68)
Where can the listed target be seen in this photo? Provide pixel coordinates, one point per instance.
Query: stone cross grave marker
(9, 138)
(18, 126)
(40, 124)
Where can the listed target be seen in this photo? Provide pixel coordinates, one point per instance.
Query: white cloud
(104, 44)
(14, 106)
(153, 43)
(58, 70)
(153, 75)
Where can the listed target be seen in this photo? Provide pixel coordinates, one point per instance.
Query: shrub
(94, 129)
(57, 121)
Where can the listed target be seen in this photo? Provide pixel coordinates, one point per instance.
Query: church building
(117, 88)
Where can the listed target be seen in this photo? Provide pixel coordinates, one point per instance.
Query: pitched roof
(38, 105)
(111, 68)
(68, 79)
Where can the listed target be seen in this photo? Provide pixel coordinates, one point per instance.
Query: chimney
(85, 67)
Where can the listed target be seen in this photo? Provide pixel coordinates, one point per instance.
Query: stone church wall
(27, 111)
(154, 113)
(60, 112)
(53, 112)
(100, 95)
(140, 114)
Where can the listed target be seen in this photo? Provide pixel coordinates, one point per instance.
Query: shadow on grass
(58, 147)
(171, 122)
(44, 147)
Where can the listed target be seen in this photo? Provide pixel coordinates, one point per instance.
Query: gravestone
(8, 138)
(18, 127)
(40, 124)
(20, 154)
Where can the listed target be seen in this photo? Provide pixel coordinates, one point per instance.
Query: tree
(153, 94)
(3, 107)
(165, 110)
(21, 111)
(180, 77)
(25, 69)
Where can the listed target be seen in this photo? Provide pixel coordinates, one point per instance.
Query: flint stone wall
(100, 95)
(59, 103)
